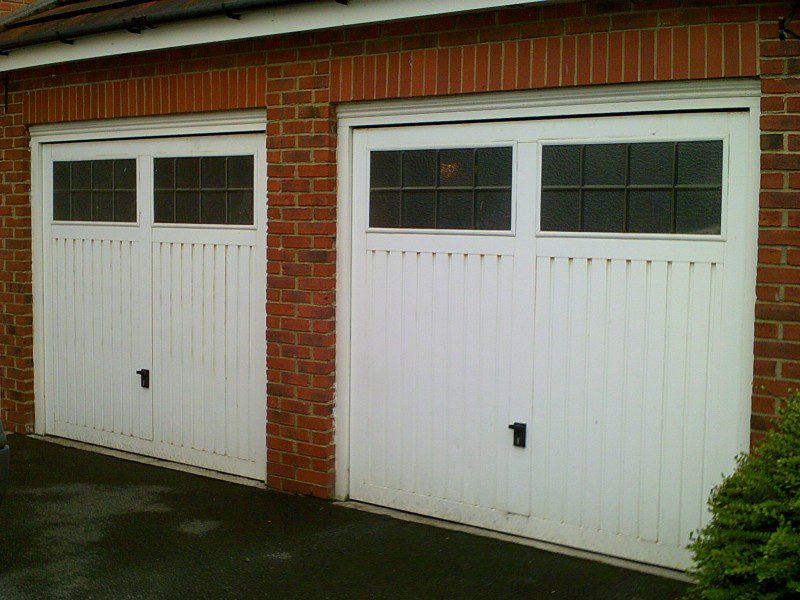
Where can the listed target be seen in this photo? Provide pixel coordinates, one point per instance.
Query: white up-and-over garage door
(548, 322)
(154, 286)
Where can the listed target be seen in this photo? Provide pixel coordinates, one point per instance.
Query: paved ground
(81, 525)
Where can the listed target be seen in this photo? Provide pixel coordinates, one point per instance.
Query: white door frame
(249, 121)
(739, 95)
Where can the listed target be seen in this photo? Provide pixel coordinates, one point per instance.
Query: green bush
(751, 547)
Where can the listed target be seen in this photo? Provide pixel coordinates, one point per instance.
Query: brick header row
(675, 53)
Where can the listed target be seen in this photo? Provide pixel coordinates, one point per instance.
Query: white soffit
(309, 16)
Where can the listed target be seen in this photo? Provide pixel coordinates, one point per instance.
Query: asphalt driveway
(82, 525)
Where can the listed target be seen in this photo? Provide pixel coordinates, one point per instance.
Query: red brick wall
(777, 328)
(299, 78)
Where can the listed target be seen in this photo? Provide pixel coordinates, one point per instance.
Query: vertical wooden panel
(423, 415)
(206, 346)
(577, 389)
(636, 371)
(440, 436)
(377, 342)
(242, 369)
(408, 386)
(470, 402)
(434, 326)
(595, 403)
(505, 326)
(393, 376)
(487, 427)
(697, 359)
(218, 346)
(672, 430)
(614, 378)
(653, 400)
(93, 336)
(540, 437)
(558, 376)
(455, 357)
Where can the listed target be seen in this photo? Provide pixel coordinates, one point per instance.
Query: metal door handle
(520, 433)
(145, 377)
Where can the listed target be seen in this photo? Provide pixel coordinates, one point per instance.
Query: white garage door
(155, 294)
(579, 283)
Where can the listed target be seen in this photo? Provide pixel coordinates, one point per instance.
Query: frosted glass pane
(605, 164)
(650, 211)
(212, 206)
(441, 188)
(164, 173)
(456, 168)
(561, 210)
(493, 210)
(658, 187)
(81, 206)
(604, 210)
(240, 207)
(103, 205)
(419, 210)
(61, 206)
(561, 165)
(187, 173)
(61, 175)
(102, 174)
(212, 172)
(419, 168)
(384, 209)
(240, 172)
(125, 174)
(493, 166)
(125, 206)
(187, 207)
(652, 164)
(81, 175)
(384, 169)
(698, 212)
(455, 210)
(164, 207)
(700, 163)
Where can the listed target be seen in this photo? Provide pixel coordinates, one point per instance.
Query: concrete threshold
(515, 539)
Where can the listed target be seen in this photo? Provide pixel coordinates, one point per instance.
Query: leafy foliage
(751, 547)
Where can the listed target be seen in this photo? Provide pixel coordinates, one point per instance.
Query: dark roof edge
(151, 20)
(23, 12)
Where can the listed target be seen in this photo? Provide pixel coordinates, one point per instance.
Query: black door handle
(145, 377)
(520, 433)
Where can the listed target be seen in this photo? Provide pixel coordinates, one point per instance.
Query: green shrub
(751, 547)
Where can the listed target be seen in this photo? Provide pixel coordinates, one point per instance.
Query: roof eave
(286, 18)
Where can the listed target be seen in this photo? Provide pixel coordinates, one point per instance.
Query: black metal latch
(519, 433)
(145, 375)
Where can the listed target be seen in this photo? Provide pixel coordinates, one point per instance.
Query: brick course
(299, 78)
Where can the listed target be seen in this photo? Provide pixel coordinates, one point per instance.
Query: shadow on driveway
(76, 524)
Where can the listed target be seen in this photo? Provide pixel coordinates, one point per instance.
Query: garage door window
(94, 190)
(662, 187)
(454, 188)
(211, 190)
